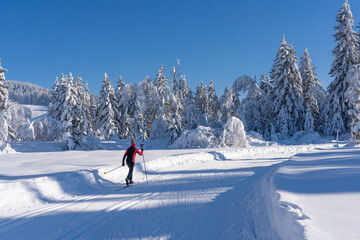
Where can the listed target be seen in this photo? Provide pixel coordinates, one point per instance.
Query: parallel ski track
(80, 227)
(96, 221)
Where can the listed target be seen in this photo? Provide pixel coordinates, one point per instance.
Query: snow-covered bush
(233, 134)
(47, 129)
(159, 128)
(6, 148)
(11, 120)
(201, 137)
(25, 131)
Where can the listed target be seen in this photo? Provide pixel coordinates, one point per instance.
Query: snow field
(322, 191)
(191, 194)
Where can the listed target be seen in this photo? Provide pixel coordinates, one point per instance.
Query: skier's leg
(131, 169)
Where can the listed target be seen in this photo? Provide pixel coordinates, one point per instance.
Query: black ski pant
(131, 169)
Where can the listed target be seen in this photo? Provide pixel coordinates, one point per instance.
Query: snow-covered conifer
(175, 128)
(256, 112)
(227, 104)
(213, 104)
(160, 84)
(125, 130)
(264, 84)
(4, 96)
(310, 84)
(175, 75)
(345, 55)
(107, 125)
(287, 91)
(201, 98)
(354, 98)
(166, 105)
(54, 94)
(146, 95)
(309, 119)
(69, 116)
(139, 128)
(190, 119)
(183, 93)
(57, 106)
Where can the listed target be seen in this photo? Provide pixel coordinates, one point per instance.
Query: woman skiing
(130, 159)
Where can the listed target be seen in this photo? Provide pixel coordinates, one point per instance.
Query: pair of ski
(130, 185)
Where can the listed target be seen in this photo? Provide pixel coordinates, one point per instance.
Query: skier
(130, 159)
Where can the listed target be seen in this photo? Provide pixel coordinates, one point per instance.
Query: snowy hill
(226, 193)
(27, 93)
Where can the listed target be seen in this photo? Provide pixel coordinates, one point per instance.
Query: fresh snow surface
(322, 190)
(226, 193)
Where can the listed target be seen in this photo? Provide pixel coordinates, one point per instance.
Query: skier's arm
(140, 153)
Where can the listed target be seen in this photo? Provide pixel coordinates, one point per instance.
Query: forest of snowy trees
(288, 101)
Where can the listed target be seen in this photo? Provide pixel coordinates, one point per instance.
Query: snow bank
(283, 215)
(256, 139)
(11, 119)
(233, 134)
(33, 192)
(6, 148)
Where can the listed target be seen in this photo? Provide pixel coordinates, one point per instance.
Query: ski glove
(123, 164)
(142, 147)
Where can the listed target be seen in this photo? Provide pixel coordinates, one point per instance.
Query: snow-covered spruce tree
(213, 104)
(310, 84)
(256, 111)
(57, 106)
(166, 106)
(264, 84)
(191, 117)
(146, 95)
(139, 124)
(175, 75)
(85, 128)
(183, 93)
(188, 112)
(354, 98)
(227, 104)
(175, 127)
(69, 115)
(54, 95)
(4, 96)
(122, 93)
(6, 131)
(287, 95)
(132, 100)
(125, 130)
(201, 103)
(87, 106)
(106, 122)
(345, 56)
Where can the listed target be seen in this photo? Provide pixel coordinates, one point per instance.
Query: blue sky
(215, 40)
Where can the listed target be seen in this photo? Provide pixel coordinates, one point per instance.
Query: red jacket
(131, 153)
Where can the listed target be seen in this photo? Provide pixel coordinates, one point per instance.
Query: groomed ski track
(203, 195)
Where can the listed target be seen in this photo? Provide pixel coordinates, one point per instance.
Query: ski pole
(142, 145)
(145, 169)
(113, 169)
